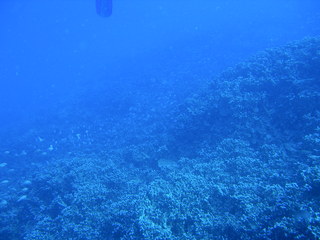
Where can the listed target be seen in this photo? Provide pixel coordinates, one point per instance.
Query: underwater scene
(159, 120)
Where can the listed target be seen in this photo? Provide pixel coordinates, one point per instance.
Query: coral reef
(238, 160)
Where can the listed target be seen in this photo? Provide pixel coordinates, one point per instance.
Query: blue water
(166, 120)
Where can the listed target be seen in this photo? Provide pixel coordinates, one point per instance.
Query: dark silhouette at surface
(104, 8)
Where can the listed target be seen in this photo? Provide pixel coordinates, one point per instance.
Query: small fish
(23, 197)
(27, 182)
(314, 157)
(3, 164)
(3, 203)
